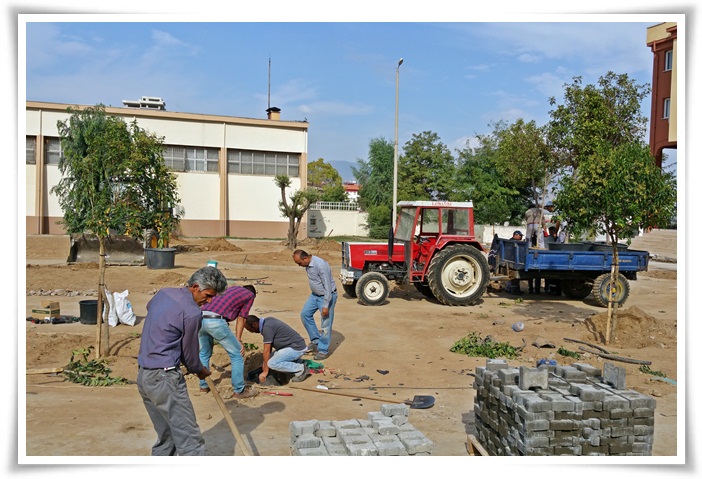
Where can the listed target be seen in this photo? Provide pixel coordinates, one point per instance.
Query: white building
(225, 168)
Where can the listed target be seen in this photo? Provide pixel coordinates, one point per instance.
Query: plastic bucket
(160, 258)
(212, 263)
(88, 311)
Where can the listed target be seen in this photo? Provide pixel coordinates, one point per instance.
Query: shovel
(418, 402)
(228, 417)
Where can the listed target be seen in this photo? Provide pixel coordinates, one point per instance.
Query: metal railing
(335, 205)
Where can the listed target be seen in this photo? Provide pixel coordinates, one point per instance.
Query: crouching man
(282, 347)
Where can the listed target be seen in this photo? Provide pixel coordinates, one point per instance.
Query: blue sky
(456, 77)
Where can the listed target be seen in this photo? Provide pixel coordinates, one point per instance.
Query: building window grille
(666, 108)
(188, 158)
(31, 150)
(52, 151)
(263, 163)
(669, 60)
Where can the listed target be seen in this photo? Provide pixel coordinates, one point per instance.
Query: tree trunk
(103, 347)
(292, 235)
(611, 304)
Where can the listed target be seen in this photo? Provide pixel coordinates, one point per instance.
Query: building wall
(662, 38)
(212, 203)
(321, 223)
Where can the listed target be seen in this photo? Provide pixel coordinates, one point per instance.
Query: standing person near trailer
(170, 337)
(535, 223)
(232, 305)
(322, 299)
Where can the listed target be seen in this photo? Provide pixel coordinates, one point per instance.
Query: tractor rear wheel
(350, 289)
(458, 275)
(372, 289)
(602, 286)
(576, 288)
(424, 289)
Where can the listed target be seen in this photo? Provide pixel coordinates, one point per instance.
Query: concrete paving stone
(590, 370)
(415, 444)
(587, 392)
(621, 413)
(364, 423)
(494, 364)
(644, 412)
(535, 404)
(348, 432)
(325, 429)
(571, 374)
(307, 441)
(365, 449)
(520, 415)
(375, 415)
(562, 425)
(311, 451)
(395, 409)
(641, 421)
(334, 446)
(399, 420)
(614, 376)
(347, 424)
(298, 428)
(533, 378)
(638, 400)
(613, 401)
(407, 427)
(643, 430)
(508, 376)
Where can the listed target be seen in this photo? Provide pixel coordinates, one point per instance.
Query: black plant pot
(160, 258)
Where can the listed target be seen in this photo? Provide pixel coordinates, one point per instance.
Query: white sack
(125, 313)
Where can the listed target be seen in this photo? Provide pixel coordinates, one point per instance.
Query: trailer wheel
(576, 288)
(425, 290)
(602, 286)
(458, 275)
(372, 289)
(350, 289)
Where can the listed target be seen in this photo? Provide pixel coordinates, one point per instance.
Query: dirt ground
(408, 338)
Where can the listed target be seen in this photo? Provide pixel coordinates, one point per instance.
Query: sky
(457, 77)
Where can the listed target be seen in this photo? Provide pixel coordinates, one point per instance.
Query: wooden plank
(44, 371)
(475, 447)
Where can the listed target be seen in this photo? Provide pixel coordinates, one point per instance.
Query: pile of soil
(220, 244)
(635, 329)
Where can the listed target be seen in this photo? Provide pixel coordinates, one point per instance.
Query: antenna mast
(269, 83)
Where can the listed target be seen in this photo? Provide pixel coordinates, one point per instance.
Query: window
(52, 151)
(269, 163)
(666, 108)
(669, 60)
(31, 150)
(188, 158)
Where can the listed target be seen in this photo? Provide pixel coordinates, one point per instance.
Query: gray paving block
(416, 443)
(347, 424)
(325, 429)
(298, 428)
(587, 392)
(495, 364)
(395, 409)
(311, 451)
(569, 373)
(307, 441)
(614, 376)
(588, 369)
(532, 378)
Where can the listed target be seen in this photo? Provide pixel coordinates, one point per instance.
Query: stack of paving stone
(560, 410)
(384, 433)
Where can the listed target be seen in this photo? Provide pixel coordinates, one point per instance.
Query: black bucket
(88, 311)
(160, 258)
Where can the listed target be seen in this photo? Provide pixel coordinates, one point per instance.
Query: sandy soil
(409, 336)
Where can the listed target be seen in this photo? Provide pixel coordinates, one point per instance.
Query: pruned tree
(617, 191)
(427, 169)
(294, 207)
(114, 181)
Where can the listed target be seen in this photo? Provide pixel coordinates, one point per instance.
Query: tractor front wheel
(372, 289)
(350, 289)
(458, 275)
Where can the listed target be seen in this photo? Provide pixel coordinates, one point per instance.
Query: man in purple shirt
(233, 305)
(170, 337)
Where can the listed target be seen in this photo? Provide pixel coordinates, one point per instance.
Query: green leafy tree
(114, 181)
(426, 170)
(608, 113)
(324, 178)
(524, 159)
(495, 200)
(375, 177)
(617, 191)
(294, 207)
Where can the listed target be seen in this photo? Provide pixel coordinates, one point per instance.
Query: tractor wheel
(576, 288)
(424, 289)
(602, 286)
(350, 289)
(458, 275)
(372, 289)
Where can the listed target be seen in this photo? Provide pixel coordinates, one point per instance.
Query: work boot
(303, 375)
(312, 347)
(320, 356)
(246, 393)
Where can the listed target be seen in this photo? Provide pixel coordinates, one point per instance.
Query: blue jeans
(217, 329)
(322, 336)
(287, 360)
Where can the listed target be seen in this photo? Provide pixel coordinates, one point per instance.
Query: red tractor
(433, 247)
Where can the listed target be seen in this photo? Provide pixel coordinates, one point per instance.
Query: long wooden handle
(337, 393)
(228, 417)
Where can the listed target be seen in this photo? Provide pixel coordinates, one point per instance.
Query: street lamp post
(394, 177)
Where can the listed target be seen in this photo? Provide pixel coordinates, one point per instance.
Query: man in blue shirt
(170, 337)
(322, 299)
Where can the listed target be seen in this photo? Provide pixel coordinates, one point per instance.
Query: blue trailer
(573, 269)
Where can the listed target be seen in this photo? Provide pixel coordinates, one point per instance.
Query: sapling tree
(294, 207)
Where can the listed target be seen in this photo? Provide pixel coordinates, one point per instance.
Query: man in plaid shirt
(232, 305)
